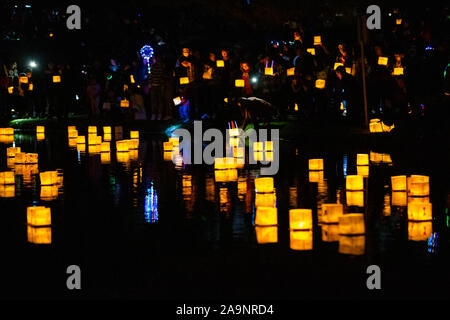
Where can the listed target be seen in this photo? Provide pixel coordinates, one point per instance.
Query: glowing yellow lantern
(234, 142)
(122, 157)
(184, 80)
(264, 184)
(7, 191)
(362, 159)
(355, 183)
(40, 136)
(375, 126)
(107, 130)
(132, 78)
(124, 103)
(266, 216)
(220, 63)
(348, 70)
(11, 151)
(81, 139)
(7, 177)
(167, 156)
(317, 40)
(239, 83)
(266, 234)
(92, 139)
(355, 198)
(352, 245)
(48, 178)
(72, 142)
(31, 158)
(227, 175)
(49, 193)
(56, 79)
(168, 146)
(399, 198)
(398, 183)
(362, 171)
(300, 219)
(92, 130)
(39, 235)
(23, 79)
(419, 231)
(122, 146)
(290, 72)
(10, 90)
(301, 240)
(268, 71)
(268, 155)
(316, 176)
(134, 134)
(331, 212)
(398, 71)
(330, 232)
(352, 223)
(382, 61)
(320, 83)
(8, 131)
(315, 164)
(312, 51)
(107, 137)
(20, 157)
(258, 155)
(337, 64)
(258, 146)
(40, 129)
(398, 21)
(420, 211)
(72, 134)
(419, 189)
(105, 158)
(105, 147)
(39, 216)
(266, 200)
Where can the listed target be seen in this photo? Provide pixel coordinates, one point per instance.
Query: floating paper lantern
(382, 61)
(224, 163)
(11, 151)
(49, 193)
(220, 63)
(312, 51)
(399, 198)
(398, 71)
(105, 147)
(41, 235)
(268, 145)
(290, 72)
(420, 211)
(56, 79)
(7, 190)
(352, 245)
(268, 71)
(354, 183)
(31, 158)
(40, 136)
(398, 183)
(10, 90)
(331, 212)
(81, 139)
(419, 189)
(228, 175)
(134, 134)
(40, 129)
(317, 40)
(105, 158)
(348, 70)
(266, 216)
(124, 103)
(72, 142)
(239, 83)
(316, 176)
(315, 164)
(93, 140)
(398, 21)
(418, 200)
(320, 84)
(266, 234)
(264, 185)
(266, 200)
(92, 130)
(330, 232)
(48, 178)
(352, 223)
(362, 159)
(258, 146)
(122, 157)
(72, 133)
(355, 198)
(419, 231)
(184, 80)
(362, 171)
(268, 156)
(20, 158)
(234, 142)
(38, 216)
(375, 126)
(7, 131)
(301, 240)
(167, 156)
(107, 130)
(107, 137)
(7, 177)
(300, 219)
(122, 146)
(133, 144)
(167, 146)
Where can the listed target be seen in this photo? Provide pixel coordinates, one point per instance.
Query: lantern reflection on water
(331, 212)
(105, 147)
(239, 83)
(227, 175)
(352, 245)
(39, 216)
(362, 159)
(7, 191)
(265, 200)
(40, 129)
(351, 224)
(330, 232)
(398, 183)
(419, 231)
(266, 234)
(301, 240)
(81, 139)
(300, 219)
(266, 216)
(399, 198)
(7, 177)
(106, 130)
(122, 157)
(105, 158)
(315, 176)
(39, 235)
(107, 137)
(420, 211)
(40, 136)
(263, 185)
(49, 193)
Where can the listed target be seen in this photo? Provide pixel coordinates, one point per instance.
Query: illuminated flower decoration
(147, 54)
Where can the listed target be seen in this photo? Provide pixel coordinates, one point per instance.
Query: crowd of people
(405, 67)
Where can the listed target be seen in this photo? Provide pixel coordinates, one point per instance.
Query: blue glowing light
(151, 205)
(147, 54)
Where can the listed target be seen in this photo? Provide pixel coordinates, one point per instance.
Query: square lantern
(352, 223)
(382, 61)
(7, 177)
(266, 200)
(362, 159)
(375, 126)
(266, 216)
(72, 133)
(398, 71)
(107, 130)
(124, 103)
(266, 234)
(93, 148)
(419, 231)
(239, 83)
(56, 79)
(362, 171)
(105, 147)
(300, 219)
(11, 151)
(399, 198)
(220, 63)
(10, 90)
(42, 235)
(81, 139)
(184, 80)
(92, 139)
(227, 175)
(92, 130)
(315, 164)
(167, 146)
(264, 185)
(316, 176)
(317, 40)
(290, 72)
(122, 146)
(72, 142)
(355, 198)
(49, 193)
(398, 21)
(122, 157)
(420, 211)
(40, 129)
(354, 183)
(352, 245)
(40, 136)
(48, 178)
(320, 84)
(134, 134)
(330, 232)
(312, 51)
(31, 158)
(20, 158)
(268, 71)
(7, 190)
(107, 137)
(39, 216)
(331, 212)
(105, 158)
(133, 144)
(301, 240)
(419, 189)
(398, 183)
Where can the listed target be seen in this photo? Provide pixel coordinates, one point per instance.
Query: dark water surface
(145, 228)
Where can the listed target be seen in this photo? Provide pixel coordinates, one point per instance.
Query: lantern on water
(301, 240)
(264, 184)
(352, 223)
(315, 176)
(399, 198)
(72, 133)
(352, 245)
(11, 151)
(315, 164)
(168, 146)
(73, 142)
(122, 157)
(227, 175)
(40, 136)
(300, 219)
(312, 51)
(330, 232)
(419, 189)
(239, 83)
(7, 190)
(105, 158)
(375, 126)
(122, 146)
(38, 216)
(317, 40)
(93, 140)
(20, 158)
(266, 200)
(290, 72)
(220, 63)
(266, 234)
(382, 61)
(124, 103)
(7, 177)
(105, 147)
(419, 231)
(268, 71)
(56, 79)
(398, 183)
(107, 130)
(92, 130)
(354, 183)
(93, 148)
(320, 83)
(184, 80)
(42, 235)
(81, 139)
(107, 137)
(331, 212)
(362, 171)
(40, 129)
(224, 163)
(23, 79)
(134, 134)
(355, 198)
(266, 216)
(420, 211)
(398, 71)
(416, 184)
(418, 200)
(258, 146)
(10, 90)
(49, 193)
(48, 178)
(362, 159)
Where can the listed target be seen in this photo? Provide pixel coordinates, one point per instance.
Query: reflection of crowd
(285, 74)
